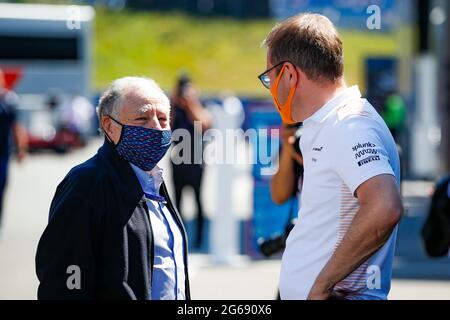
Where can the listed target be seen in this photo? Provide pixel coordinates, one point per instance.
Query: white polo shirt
(344, 144)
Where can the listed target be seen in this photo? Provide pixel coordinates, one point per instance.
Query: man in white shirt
(343, 244)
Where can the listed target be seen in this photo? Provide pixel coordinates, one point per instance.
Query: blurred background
(58, 56)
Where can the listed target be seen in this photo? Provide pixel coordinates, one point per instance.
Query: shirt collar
(340, 99)
(150, 180)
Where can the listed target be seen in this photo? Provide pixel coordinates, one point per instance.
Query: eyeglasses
(264, 77)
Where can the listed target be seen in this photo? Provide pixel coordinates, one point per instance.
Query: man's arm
(65, 258)
(380, 211)
(20, 140)
(190, 102)
(283, 181)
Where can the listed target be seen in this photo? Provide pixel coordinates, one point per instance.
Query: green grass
(221, 54)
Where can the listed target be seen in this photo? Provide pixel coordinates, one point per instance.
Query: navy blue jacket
(99, 225)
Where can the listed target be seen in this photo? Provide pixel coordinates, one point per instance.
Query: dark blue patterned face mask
(143, 147)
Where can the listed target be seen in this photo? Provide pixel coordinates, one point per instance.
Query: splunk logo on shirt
(364, 149)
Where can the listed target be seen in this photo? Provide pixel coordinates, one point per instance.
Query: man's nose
(154, 123)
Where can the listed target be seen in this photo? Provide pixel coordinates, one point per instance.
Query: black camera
(269, 247)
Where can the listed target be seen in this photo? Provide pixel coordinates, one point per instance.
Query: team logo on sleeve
(366, 153)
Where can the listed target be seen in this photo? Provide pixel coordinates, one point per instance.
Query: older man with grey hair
(113, 232)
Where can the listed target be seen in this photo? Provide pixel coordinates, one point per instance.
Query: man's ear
(293, 74)
(106, 124)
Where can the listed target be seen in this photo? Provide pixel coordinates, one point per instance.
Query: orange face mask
(286, 109)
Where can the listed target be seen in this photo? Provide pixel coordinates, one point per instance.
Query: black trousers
(190, 175)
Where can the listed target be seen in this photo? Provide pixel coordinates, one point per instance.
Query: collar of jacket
(129, 183)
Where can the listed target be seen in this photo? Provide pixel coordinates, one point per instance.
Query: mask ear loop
(115, 120)
(276, 84)
(290, 97)
(121, 133)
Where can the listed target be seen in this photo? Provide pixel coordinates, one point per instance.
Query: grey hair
(111, 100)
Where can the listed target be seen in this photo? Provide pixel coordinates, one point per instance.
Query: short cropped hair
(311, 42)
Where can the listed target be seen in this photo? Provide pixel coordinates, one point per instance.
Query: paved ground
(31, 189)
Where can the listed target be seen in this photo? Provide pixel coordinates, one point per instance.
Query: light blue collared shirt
(168, 279)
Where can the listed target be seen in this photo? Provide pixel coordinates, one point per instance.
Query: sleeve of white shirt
(359, 151)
